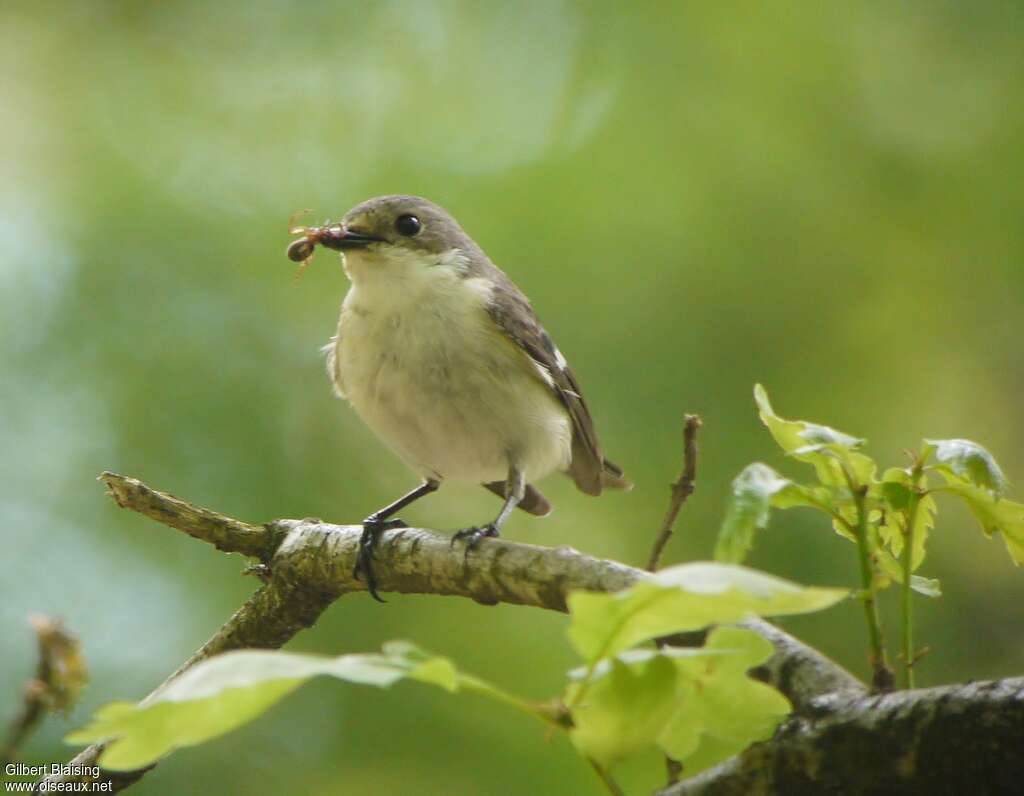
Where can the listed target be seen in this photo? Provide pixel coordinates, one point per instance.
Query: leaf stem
(906, 592)
(606, 778)
(882, 678)
(905, 595)
(474, 685)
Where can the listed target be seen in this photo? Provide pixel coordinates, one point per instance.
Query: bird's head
(397, 236)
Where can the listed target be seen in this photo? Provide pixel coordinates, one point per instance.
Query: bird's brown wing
(512, 313)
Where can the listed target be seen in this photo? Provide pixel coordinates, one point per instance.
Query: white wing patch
(560, 360)
(545, 374)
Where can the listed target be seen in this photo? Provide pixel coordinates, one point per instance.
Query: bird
(442, 356)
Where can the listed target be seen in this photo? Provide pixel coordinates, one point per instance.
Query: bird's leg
(515, 488)
(375, 525)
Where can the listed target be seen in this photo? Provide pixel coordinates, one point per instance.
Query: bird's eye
(408, 225)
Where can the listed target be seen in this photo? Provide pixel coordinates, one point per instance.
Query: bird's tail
(533, 501)
(612, 477)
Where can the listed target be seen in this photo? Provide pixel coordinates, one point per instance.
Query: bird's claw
(372, 529)
(472, 536)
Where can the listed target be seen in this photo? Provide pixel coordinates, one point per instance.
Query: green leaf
(992, 513)
(969, 461)
(625, 710)
(929, 587)
(697, 705)
(229, 690)
(684, 597)
(895, 492)
(139, 736)
(723, 708)
(797, 436)
(892, 570)
(754, 491)
(641, 655)
(827, 449)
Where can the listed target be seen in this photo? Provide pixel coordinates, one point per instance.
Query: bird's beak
(342, 237)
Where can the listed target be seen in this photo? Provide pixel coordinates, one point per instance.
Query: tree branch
(953, 739)
(224, 533)
(309, 565)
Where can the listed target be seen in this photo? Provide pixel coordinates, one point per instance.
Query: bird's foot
(472, 536)
(372, 529)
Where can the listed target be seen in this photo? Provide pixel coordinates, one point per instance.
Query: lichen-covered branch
(224, 533)
(953, 739)
(318, 557)
(308, 564)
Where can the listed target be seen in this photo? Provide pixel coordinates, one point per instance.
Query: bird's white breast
(425, 367)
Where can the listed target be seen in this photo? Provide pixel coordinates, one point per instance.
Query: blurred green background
(822, 197)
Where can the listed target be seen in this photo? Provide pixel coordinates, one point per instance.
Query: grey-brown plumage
(443, 357)
(512, 312)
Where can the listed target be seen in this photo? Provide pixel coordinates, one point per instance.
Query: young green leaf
(890, 570)
(894, 489)
(697, 705)
(827, 449)
(993, 514)
(754, 492)
(969, 461)
(796, 436)
(625, 709)
(895, 493)
(929, 587)
(722, 709)
(684, 597)
(229, 690)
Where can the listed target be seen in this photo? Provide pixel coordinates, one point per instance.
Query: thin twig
(60, 675)
(681, 489)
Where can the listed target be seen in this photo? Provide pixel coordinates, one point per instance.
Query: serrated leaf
(684, 597)
(797, 435)
(754, 491)
(851, 519)
(993, 514)
(890, 569)
(625, 710)
(722, 710)
(697, 705)
(641, 655)
(827, 449)
(893, 530)
(894, 490)
(229, 690)
(969, 461)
